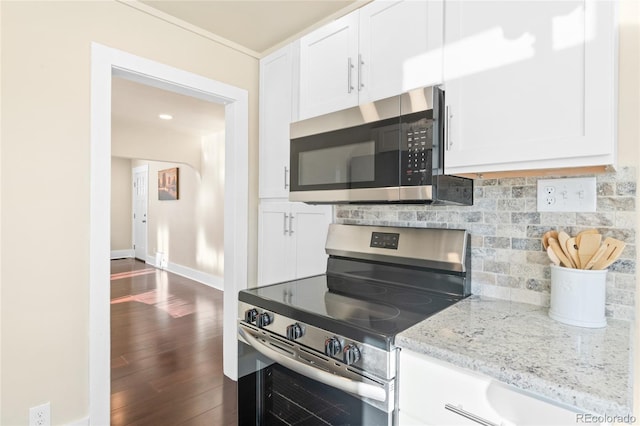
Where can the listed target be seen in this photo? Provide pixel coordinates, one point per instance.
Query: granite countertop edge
(520, 378)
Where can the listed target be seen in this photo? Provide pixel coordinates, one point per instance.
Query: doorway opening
(106, 63)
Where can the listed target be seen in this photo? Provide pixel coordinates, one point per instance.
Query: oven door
(281, 383)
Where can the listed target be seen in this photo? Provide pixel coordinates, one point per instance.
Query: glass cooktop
(359, 309)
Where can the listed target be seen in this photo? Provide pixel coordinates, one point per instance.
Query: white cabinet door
(400, 47)
(274, 244)
(291, 240)
(328, 67)
(529, 84)
(275, 116)
(310, 225)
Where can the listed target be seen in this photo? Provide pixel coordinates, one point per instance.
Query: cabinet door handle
(286, 231)
(291, 224)
(459, 411)
(360, 64)
(349, 68)
(286, 181)
(449, 119)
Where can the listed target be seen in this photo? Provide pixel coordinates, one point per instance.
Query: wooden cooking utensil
(546, 236)
(611, 254)
(587, 247)
(572, 248)
(586, 231)
(598, 254)
(552, 256)
(555, 246)
(563, 237)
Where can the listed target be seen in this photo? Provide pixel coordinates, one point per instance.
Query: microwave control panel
(417, 154)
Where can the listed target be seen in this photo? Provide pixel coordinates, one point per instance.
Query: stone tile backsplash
(506, 229)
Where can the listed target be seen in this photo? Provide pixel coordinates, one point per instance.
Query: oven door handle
(362, 390)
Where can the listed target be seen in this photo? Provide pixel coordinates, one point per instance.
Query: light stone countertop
(518, 344)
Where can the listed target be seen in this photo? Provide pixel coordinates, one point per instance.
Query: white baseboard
(193, 274)
(81, 422)
(121, 254)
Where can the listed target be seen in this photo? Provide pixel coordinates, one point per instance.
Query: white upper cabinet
(380, 50)
(276, 97)
(400, 47)
(530, 85)
(328, 67)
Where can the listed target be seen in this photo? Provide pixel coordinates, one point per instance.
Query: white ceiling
(135, 102)
(256, 25)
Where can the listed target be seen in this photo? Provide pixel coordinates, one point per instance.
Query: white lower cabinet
(291, 240)
(436, 393)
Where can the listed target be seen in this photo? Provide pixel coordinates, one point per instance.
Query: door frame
(134, 170)
(106, 62)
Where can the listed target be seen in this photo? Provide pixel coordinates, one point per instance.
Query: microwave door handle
(449, 119)
(362, 390)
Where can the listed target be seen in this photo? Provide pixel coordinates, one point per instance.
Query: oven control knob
(294, 331)
(264, 319)
(251, 315)
(351, 354)
(332, 346)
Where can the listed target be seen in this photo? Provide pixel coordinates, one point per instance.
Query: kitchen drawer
(428, 385)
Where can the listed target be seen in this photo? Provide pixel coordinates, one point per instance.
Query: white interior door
(140, 200)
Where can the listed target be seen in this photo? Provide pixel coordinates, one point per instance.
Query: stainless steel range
(320, 350)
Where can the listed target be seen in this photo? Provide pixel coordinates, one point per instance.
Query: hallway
(166, 350)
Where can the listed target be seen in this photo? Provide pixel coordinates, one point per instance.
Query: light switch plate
(567, 195)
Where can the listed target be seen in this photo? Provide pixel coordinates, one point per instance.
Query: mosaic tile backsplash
(507, 258)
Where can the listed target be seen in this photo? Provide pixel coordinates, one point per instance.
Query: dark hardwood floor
(166, 350)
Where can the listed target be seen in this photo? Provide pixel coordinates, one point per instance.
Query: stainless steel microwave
(388, 151)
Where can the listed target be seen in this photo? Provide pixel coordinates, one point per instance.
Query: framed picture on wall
(168, 184)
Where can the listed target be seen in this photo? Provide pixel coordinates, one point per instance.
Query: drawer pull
(468, 415)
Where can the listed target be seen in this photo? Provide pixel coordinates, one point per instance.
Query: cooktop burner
(355, 308)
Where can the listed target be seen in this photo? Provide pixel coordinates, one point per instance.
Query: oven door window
(365, 156)
(275, 395)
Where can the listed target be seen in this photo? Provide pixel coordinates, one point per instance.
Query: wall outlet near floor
(567, 195)
(40, 415)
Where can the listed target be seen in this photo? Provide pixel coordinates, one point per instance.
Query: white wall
(45, 81)
(190, 231)
(121, 207)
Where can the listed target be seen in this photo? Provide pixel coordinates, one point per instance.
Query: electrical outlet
(40, 415)
(567, 195)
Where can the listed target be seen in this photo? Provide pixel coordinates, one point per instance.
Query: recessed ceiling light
(165, 116)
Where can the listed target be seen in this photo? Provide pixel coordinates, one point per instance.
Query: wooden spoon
(587, 247)
(546, 236)
(572, 248)
(564, 260)
(552, 256)
(611, 254)
(563, 237)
